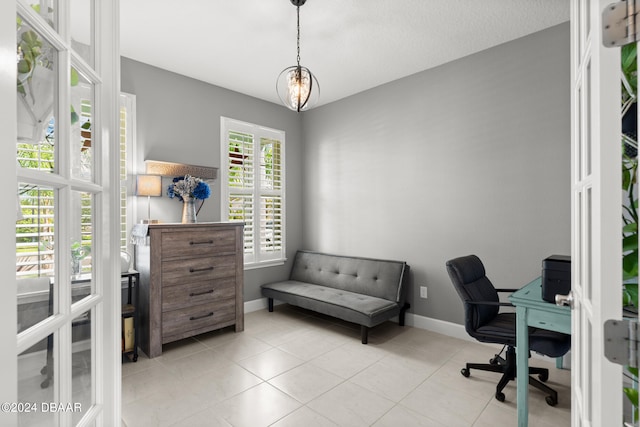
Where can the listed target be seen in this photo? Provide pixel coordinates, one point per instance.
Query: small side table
(129, 309)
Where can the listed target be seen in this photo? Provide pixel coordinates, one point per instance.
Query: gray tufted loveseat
(360, 290)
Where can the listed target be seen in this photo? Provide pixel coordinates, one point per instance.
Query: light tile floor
(295, 368)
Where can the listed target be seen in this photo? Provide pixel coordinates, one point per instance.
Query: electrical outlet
(423, 292)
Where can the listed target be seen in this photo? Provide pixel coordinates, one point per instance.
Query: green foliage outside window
(630, 198)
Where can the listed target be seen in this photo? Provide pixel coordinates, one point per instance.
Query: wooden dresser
(191, 281)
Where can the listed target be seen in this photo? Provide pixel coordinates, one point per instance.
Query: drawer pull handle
(201, 317)
(195, 294)
(204, 242)
(193, 270)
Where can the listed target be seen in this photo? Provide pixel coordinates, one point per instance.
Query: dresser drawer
(176, 272)
(197, 242)
(188, 294)
(197, 317)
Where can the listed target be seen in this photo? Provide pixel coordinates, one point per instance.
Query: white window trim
(256, 259)
(128, 101)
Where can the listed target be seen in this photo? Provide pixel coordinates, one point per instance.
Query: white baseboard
(439, 326)
(255, 305)
(258, 304)
(421, 322)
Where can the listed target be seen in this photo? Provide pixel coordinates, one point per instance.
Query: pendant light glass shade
(298, 88)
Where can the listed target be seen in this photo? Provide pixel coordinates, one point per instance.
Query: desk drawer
(194, 243)
(196, 293)
(197, 317)
(182, 271)
(550, 320)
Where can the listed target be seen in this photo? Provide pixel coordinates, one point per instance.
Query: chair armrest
(503, 304)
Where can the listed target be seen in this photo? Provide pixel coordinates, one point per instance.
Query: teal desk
(532, 310)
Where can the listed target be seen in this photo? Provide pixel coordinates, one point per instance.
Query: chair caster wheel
(465, 372)
(494, 361)
(551, 401)
(500, 396)
(135, 357)
(44, 384)
(543, 377)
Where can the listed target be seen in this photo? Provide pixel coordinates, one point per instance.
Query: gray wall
(470, 157)
(178, 120)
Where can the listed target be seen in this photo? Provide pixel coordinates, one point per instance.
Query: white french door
(596, 383)
(60, 84)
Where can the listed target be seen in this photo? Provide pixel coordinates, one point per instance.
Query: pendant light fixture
(297, 87)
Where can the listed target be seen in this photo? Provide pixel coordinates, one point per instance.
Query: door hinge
(619, 23)
(621, 339)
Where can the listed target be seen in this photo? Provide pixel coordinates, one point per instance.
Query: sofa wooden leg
(364, 334)
(404, 308)
(270, 302)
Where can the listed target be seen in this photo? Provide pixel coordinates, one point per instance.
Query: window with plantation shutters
(253, 184)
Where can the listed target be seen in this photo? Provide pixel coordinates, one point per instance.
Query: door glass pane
(36, 63)
(81, 243)
(35, 231)
(82, 29)
(81, 119)
(588, 250)
(579, 136)
(34, 255)
(586, 150)
(587, 21)
(46, 9)
(579, 235)
(35, 301)
(81, 361)
(587, 368)
(35, 384)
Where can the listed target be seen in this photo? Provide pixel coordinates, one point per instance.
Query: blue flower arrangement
(188, 186)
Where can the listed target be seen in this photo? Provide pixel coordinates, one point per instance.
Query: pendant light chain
(298, 38)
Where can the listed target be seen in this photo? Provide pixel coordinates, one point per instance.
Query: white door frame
(8, 293)
(106, 260)
(596, 207)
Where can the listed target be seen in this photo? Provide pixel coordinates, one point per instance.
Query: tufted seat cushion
(350, 306)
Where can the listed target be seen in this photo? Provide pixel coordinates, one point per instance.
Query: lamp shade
(149, 185)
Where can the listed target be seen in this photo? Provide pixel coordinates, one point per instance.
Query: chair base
(508, 369)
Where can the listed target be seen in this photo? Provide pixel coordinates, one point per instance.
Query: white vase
(189, 210)
(76, 268)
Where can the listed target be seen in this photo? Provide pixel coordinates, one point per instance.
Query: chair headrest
(466, 269)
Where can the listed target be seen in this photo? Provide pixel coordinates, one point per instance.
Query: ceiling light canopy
(297, 87)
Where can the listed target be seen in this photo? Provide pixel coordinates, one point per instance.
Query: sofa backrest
(379, 278)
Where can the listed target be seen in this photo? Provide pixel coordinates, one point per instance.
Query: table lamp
(149, 185)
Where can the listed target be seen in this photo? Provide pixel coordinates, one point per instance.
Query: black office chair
(484, 322)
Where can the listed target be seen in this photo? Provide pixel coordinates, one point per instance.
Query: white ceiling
(350, 45)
